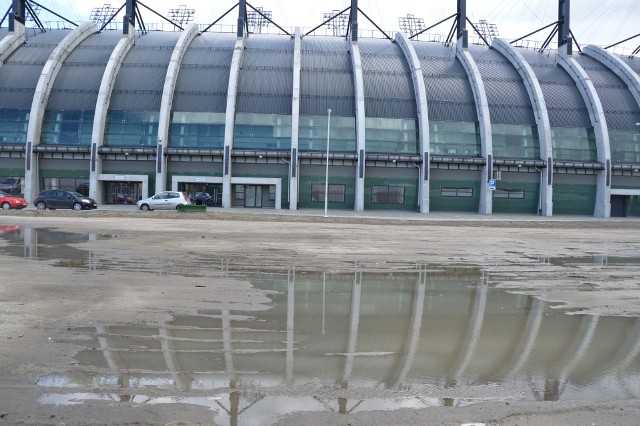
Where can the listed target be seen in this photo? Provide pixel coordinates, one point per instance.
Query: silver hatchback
(167, 200)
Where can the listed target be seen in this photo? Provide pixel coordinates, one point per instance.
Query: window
(456, 192)
(508, 193)
(385, 194)
(335, 193)
(239, 192)
(80, 185)
(272, 192)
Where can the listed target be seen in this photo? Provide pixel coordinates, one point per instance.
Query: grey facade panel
(564, 102)
(326, 77)
(203, 79)
(265, 83)
(619, 106)
(449, 94)
(509, 102)
(388, 86)
(77, 85)
(140, 82)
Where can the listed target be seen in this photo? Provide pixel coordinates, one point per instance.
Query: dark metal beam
(34, 15)
(462, 33)
(478, 32)
(353, 21)
(327, 21)
(54, 13)
(5, 16)
(375, 25)
(129, 19)
(267, 18)
(620, 42)
(112, 17)
(536, 31)
(18, 11)
(452, 31)
(434, 25)
(141, 25)
(549, 38)
(220, 18)
(564, 27)
(242, 18)
(158, 14)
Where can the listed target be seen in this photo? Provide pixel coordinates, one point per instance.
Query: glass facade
(131, 128)
(515, 141)
(13, 125)
(262, 131)
(313, 133)
(573, 144)
(80, 185)
(625, 146)
(197, 129)
(454, 138)
(391, 135)
(67, 127)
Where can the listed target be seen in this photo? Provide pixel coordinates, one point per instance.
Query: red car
(8, 202)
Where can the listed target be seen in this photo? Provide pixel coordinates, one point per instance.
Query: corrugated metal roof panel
(633, 62)
(265, 84)
(326, 78)
(449, 94)
(388, 85)
(508, 99)
(564, 103)
(35, 36)
(203, 79)
(620, 108)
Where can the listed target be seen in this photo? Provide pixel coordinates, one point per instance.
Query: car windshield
(76, 194)
(4, 194)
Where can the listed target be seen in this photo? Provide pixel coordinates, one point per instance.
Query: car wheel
(6, 206)
(77, 206)
(41, 205)
(145, 207)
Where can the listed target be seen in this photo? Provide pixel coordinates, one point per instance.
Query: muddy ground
(39, 301)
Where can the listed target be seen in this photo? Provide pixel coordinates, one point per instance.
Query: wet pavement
(366, 340)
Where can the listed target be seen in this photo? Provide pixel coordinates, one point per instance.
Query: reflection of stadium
(391, 338)
(415, 125)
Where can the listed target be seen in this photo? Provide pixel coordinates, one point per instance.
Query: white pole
(326, 177)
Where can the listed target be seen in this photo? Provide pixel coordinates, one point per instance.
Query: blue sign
(492, 184)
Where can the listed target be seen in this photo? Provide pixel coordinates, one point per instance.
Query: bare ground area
(39, 301)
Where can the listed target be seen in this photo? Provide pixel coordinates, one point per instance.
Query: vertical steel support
(353, 21)
(462, 33)
(565, 46)
(129, 19)
(242, 13)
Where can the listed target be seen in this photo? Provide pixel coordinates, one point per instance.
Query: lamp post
(326, 176)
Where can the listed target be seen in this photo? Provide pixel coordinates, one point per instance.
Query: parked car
(8, 202)
(167, 200)
(58, 199)
(202, 198)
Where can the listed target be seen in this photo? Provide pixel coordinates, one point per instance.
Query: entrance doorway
(122, 192)
(252, 196)
(619, 205)
(210, 193)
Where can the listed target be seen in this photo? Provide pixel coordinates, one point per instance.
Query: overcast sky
(600, 22)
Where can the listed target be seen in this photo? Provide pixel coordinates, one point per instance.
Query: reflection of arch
(474, 329)
(180, 378)
(414, 331)
(528, 340)
(291, 281)
(353, 328)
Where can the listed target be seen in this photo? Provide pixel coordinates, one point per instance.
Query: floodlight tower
(182, 15)
(338, 24)
(100, 15)
(256, 19)
(410, 24)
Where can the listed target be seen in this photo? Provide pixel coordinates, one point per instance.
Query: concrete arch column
(423, 117)
(41, 97)
(599, 123)
(164, 119)
(230, 120)
(358, 82)
(295, 121)
(12, 41)
(618, 67)
(102, 107)
(541, 114)
(484, 119)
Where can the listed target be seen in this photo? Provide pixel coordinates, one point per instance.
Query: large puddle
(346, 342)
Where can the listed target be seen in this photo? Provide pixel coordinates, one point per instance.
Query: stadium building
(266, 120)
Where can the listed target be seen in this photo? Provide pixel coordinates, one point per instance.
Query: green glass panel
(574, 199)
(625, 146)
(313, 133)
(67, 127)
(262, 131)
(454, 138)
(438, 202)
(13, 125)
(407, 188)
(305, 196)
(527, 204)
(515, 141)
(389, 135)
(131, 128)
(197, 129)
(573, 144)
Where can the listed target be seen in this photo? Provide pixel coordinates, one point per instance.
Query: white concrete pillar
(12, 41)
(484, 119)
(100, 115)
(423, 118)
(164, 119)
(358, 82)
(41, 97)
(599, 123)
(294, 169)
(541, 114)
(230, 120)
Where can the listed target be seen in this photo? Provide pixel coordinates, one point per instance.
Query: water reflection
(364, 341)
